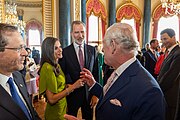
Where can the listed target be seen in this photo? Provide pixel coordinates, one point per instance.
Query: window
(34, 39)
(34, 34)
(130, 22)
(94, 30)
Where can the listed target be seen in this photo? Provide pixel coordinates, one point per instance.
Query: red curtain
(129, 11)
(103, 28)
(155, 29)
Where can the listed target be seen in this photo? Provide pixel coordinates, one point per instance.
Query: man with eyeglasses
(14, 99)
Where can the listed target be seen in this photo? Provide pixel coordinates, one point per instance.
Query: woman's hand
(79, 83)
(94, 101)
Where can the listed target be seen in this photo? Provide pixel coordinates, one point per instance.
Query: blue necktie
(17, 98)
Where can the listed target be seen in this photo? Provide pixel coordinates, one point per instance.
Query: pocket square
(116, 102)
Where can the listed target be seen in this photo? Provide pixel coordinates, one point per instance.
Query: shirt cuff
(92, 86)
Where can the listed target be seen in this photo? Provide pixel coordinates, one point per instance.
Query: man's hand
(87, 77)
(94, 101)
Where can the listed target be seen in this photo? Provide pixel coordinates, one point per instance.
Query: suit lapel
(86, 56)
(117, 86)
(23, 90)
(121, 82)
(89, 57)
(169, 56)
(152, 55)
(7, 103)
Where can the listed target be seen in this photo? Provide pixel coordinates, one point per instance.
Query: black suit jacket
(71, 68)
(9, 110)
(169, 79)
(150, 62)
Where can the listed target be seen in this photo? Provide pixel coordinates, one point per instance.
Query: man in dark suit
(143, 50)
(71, 65)
(12, 56)
(130, 93)
(169, 76)
(150, 57)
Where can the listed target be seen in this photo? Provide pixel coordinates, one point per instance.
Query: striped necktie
(17, 98)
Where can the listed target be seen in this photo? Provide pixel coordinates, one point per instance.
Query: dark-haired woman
(52, 80)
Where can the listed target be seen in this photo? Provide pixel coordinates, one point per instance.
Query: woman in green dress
(52, 80)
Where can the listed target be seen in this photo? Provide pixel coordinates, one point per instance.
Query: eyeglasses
(19, 49)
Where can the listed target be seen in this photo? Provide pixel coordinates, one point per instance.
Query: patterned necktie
(17, 98)
(81, 61)
(109, 82)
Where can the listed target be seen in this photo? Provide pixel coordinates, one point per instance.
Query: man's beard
(78, 41)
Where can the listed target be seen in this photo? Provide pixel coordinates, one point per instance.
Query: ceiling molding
(29, 4)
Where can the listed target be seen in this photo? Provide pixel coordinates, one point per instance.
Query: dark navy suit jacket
(139, 94)
(9, 110)
(150, 62)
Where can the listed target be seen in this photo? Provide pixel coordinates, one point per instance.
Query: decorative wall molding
(47, 18)
(29, 4)
(77, 10)
(2, 11)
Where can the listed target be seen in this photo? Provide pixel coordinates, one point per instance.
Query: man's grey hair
(124, 35)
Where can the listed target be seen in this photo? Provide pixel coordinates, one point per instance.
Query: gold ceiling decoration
(172, 7)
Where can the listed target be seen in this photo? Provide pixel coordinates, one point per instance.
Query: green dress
(100, 65)
(49, 81)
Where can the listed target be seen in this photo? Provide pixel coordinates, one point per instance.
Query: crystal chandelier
(11, 16)
(172, 7)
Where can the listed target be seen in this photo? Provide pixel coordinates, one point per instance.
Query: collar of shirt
(120, 69)
(170, 49)
(153, 51)
(76, 47)
(124, 66)
(3, 82)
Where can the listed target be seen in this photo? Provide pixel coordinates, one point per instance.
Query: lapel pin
(21, 85)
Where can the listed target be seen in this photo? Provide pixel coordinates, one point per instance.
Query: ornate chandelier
(172, 7)
(11, 16)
